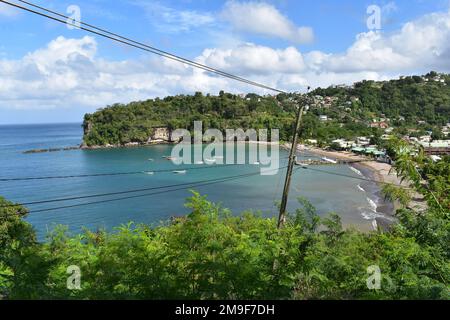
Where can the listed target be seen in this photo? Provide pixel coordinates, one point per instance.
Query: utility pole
(292, 159)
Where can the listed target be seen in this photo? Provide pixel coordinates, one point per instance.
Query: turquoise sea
(357, 202)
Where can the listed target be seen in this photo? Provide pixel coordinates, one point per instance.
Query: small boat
(329, 160)
(170, 158)
(149, 173)
(210, 161)
(180, 171)
(151, 160)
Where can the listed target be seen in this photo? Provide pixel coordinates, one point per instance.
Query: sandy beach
(382, 172)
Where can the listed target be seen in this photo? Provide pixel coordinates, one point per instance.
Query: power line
(159, 51)
(189, 184)
(115, 37)
(110, 174)
(217, 181)
(117, 173)
(124, 192)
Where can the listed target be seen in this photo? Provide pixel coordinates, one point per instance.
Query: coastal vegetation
(420, 103)
(212, 254)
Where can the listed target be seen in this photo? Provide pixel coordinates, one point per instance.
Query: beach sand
(382, 172)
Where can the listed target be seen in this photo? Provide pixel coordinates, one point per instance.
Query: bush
(211, 254)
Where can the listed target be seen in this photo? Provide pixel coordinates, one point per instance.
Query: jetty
(50, 150)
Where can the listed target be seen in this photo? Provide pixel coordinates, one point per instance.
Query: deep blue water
(326, 192)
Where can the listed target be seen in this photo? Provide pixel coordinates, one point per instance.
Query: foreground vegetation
(211, 254)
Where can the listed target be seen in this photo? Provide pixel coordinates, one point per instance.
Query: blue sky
(49, 73)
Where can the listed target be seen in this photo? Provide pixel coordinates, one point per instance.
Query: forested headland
(419, 102)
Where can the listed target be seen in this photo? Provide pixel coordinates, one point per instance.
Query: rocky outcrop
(162, 134)
(87, 128)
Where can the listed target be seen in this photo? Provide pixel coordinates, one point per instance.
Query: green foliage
(411, 97)
(429, 178)
(211, 254)
(17, 239)
(394, 193)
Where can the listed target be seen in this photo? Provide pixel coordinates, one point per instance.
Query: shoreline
(381, 173)
(378, 172)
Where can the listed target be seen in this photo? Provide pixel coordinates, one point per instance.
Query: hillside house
(380, 125)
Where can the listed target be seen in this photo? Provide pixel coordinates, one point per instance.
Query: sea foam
(359, 173)
(372, 204)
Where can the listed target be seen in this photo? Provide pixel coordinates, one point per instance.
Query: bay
(354, 200)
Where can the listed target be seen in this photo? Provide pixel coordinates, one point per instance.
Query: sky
(52, 73)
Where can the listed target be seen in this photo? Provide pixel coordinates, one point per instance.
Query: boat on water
(150, 159)
(210, 161)
(149, 173)
(329, 160)
(180, 171)
(170, 158)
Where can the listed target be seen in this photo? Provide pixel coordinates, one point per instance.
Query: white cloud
(265, 19)
(69, 73)
(419, 45)
(170, 20)
(252, 59)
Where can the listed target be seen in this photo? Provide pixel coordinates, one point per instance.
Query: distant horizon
(37, 123)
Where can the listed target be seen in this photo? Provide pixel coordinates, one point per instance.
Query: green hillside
(420, 102)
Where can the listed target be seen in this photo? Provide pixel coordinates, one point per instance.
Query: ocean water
(356, 201)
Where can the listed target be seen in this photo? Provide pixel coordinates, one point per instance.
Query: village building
(344, 144)
(380, 125)
(363, 141)
(437, 147)
(425, 139)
